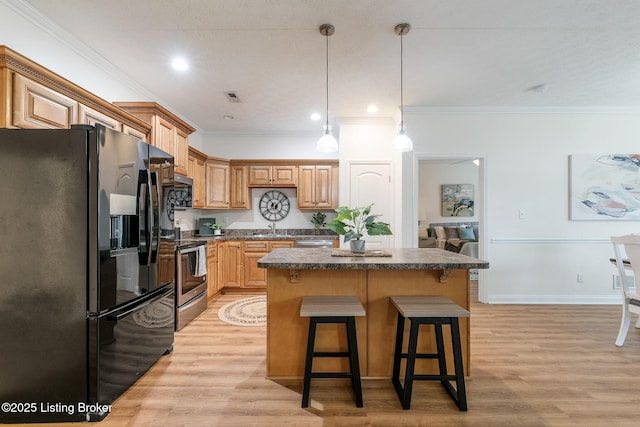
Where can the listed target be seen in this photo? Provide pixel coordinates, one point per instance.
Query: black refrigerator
(87, 270)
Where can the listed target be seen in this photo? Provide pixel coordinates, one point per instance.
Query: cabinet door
(283, 176)
(306, 187)
(212, 269)
(164, 135)
(89, 116)
(181, 152)
(259, 175)
(199, 184)
(135, 132)
(318, 187)
(217, 185)
(36, 106)
(231, 264)
(254, 276)
(324, 187)
(240, 191)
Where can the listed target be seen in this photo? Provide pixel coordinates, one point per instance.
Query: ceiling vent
(232, 97)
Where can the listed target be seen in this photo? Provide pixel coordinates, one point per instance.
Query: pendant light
(402, 142)
(327, 143)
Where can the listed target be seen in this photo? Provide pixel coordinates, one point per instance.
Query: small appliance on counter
(204, 228)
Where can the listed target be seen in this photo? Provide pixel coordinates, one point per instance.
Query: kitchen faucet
(272, 227)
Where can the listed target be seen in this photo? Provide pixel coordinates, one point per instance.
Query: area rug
(245, 312)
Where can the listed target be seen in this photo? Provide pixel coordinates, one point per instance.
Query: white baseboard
(555, 299)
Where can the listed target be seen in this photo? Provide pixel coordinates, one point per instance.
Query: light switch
(522, 214)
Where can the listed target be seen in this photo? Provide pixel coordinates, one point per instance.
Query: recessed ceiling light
(179, 64)
(315, 117)
(373, 108)
(228, 117)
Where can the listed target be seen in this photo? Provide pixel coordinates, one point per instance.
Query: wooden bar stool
(436, 311)
(332, 309)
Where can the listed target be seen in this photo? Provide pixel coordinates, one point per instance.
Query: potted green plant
(352, 223)
(317, 219)
(216, 228)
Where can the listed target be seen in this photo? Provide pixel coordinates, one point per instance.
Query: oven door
(191, 272)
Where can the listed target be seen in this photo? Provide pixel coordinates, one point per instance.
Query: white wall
(535, 259)
(264, 146)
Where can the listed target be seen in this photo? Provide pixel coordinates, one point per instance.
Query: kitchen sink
(270, 235)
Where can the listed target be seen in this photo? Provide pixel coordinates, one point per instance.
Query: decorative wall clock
(274, 205)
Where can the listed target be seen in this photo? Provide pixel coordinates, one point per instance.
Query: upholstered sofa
(453, 236)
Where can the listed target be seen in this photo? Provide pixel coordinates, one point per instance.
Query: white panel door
(371, 183)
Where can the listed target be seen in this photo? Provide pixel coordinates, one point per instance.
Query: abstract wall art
(457, 200)
(604, 187)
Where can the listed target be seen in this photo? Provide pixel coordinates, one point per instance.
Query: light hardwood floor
(531, 366)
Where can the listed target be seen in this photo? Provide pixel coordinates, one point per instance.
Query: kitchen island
(294, 273)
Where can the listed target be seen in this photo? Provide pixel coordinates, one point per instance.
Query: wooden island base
(287, 331)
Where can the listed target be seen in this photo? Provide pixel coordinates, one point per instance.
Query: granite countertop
(400, 259)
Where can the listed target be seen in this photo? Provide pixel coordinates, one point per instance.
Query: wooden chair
(332, 309)
(627, 252)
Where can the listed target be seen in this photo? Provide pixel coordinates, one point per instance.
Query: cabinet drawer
(282, 244)
(256, 246)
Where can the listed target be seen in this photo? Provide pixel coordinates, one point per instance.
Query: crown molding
(596, 109)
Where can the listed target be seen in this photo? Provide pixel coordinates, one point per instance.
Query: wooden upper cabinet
(273, 176)
(134, 132)
(169, 132)
(217, 184)
(164, 135)
(240, 197)
(36, 106)
(34, 97)
(196, 170)
(318, 187)
(181, 153)
(89, 116)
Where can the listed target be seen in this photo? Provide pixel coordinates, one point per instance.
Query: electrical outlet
(580, 278)
(522, 214)
(617, 283)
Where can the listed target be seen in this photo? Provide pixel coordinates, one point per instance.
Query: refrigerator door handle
(144, 252)
(149, 224)
(122, 314)
(155, 215)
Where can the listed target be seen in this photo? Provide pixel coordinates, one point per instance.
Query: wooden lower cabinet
(212, 269)
(230, 261)
(166, 262)
(237, 263)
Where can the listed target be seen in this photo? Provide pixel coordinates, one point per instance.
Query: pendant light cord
(401, 87)
(327, 70)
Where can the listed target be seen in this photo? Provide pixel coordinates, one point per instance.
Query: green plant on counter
(317, 219)
(215, 226)
(353, 222)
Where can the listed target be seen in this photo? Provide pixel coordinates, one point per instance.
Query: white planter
(357, 246)
(217, 232)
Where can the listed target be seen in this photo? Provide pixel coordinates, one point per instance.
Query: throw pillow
(466, 233)
(451, 232)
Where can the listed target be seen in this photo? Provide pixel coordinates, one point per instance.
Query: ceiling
(469, 54)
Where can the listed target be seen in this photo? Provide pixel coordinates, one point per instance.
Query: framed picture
(457, 199)
(604, 187)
